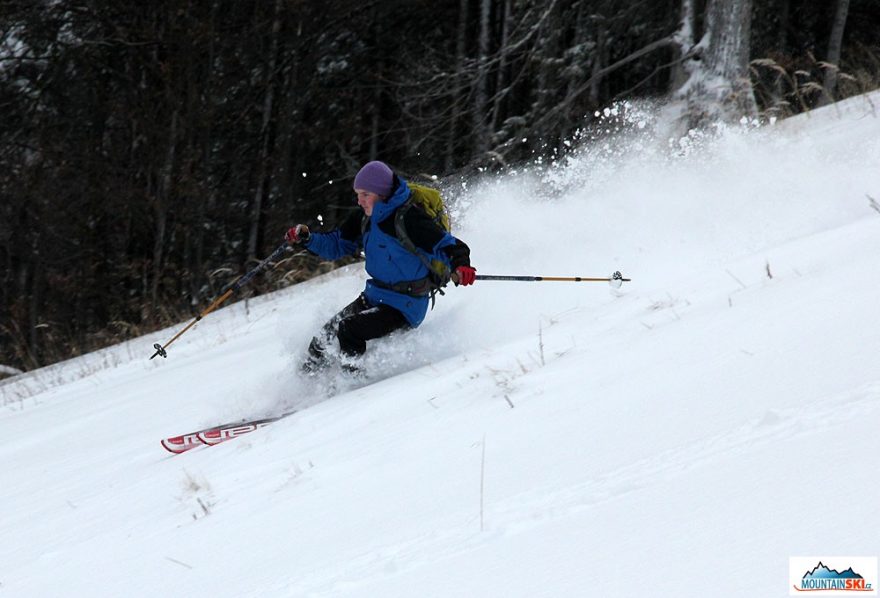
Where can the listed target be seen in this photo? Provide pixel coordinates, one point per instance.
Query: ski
(216, 434)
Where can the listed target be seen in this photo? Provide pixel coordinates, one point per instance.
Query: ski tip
(178, 445)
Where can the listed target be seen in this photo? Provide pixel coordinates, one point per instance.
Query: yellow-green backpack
(431, 202)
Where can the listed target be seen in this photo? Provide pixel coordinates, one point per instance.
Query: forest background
(150, 153)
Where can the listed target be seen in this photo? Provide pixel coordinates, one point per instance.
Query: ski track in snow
(531, 510)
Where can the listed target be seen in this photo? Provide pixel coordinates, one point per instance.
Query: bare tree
(832, 60)
(718, 87)
(481, 85)
(457, 77)
(162, 203)
(262, 183)
(501, 73)
(684, 44)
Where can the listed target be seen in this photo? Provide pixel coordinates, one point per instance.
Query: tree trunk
(598, 62)
(684, 43)
(833, 57)
(163, 198)
(262, 182)
(780, 82)
(458, 84)
(36, 351)
(204, 208)
(378, 93)
(784, 24)
(719, 88)
(500, 77)
(481, 85)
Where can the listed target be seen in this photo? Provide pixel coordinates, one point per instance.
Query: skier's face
(367, 200)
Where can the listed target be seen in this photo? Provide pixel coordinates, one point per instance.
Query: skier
(401, 280)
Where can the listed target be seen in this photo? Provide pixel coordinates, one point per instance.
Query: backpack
(431, 202)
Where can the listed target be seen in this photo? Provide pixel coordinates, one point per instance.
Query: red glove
(465, 275)
(298, 234)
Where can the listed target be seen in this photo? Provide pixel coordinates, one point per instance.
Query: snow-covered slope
(680, 437)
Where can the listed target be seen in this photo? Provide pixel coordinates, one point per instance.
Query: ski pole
(615, 280)
(227, 293)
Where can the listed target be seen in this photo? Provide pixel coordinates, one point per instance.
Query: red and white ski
(216, 434)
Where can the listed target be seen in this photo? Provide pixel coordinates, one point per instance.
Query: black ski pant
(357, 323)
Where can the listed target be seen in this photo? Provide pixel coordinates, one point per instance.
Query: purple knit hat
(375, 177)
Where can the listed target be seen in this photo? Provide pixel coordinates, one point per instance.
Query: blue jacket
(388, 261)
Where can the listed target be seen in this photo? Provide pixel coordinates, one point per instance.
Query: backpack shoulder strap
(436, 281)
(400, 228)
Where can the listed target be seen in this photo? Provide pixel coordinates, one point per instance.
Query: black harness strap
(413, 288)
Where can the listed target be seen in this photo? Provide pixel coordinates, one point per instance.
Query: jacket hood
(383, 209)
